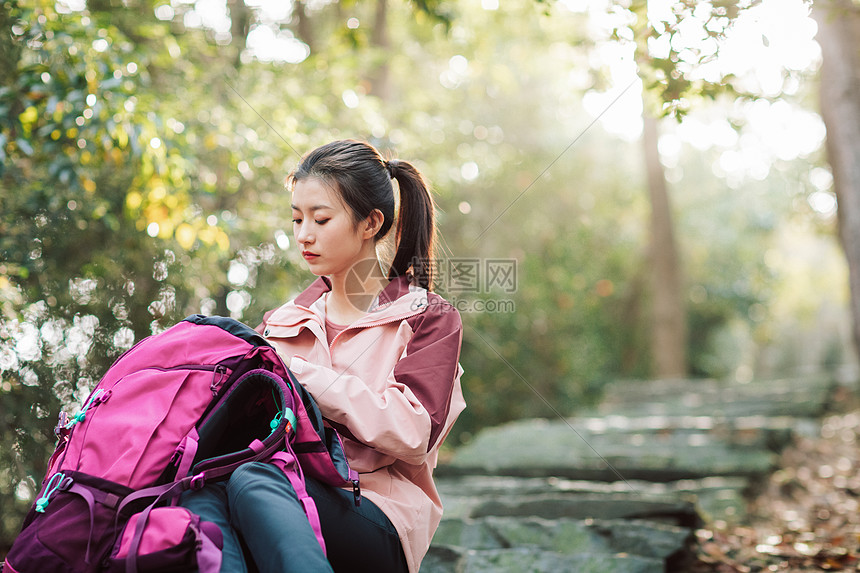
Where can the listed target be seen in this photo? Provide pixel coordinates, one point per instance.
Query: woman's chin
(317, 269)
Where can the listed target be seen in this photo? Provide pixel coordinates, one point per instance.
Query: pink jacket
(390, 384)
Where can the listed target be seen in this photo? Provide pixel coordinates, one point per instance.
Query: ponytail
(415, 235)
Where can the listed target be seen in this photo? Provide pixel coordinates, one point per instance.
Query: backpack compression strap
(287, 462)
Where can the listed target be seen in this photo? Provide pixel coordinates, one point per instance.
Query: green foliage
(112, 226)
(672, 49)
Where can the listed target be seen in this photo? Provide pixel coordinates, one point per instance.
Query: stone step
(509, 524)
(445, 559)
(763, 432)
(564, 448)
(554, 502)
(713, 498)
(801, 397)
(642, 538)
(665, 509)
(754, 430)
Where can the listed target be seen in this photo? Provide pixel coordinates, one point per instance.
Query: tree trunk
(10, 50)
(380, 80)
(240, 26)
(304, 30)
(839, 37)
(669, 327)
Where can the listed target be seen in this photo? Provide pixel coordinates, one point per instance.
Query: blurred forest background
(655, 173)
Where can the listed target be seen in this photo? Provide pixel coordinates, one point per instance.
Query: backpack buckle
(197, 482)
(65, 484)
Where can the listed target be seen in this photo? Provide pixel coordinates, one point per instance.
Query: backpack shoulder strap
(232, 326)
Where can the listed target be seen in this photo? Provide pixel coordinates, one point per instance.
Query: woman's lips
(309, 255)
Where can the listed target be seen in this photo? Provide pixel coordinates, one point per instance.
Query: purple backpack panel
(73, 533)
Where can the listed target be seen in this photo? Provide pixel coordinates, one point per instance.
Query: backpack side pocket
(168, 539)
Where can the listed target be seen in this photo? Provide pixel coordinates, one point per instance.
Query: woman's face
(325, 229)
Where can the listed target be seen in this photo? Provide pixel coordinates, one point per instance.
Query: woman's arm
(406, 418)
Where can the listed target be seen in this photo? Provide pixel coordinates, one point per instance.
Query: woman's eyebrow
(312, 209)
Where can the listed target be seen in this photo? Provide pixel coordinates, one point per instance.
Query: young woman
(379, 352)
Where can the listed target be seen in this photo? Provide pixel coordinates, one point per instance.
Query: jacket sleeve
(406, 419)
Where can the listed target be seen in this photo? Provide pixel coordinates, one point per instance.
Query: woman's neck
(353, 292)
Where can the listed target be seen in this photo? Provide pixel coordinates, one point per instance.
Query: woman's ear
(372, 224)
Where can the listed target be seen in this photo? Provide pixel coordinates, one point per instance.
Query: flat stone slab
(713, 497)
(566, 536)
(795, 397)
(758, 431)
(565, 448)
(532, 560)
(590, 506)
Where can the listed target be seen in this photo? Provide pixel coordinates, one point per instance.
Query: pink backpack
(178, 410)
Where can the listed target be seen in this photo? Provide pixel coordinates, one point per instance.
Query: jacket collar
(396, 288)
(400, 298)
(311, 294)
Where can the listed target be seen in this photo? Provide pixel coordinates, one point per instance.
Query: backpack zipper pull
(177, 454)
(218, 376)
(276, 421)
(356, 492)
(42, 502)
(95, 400)
(62, 429)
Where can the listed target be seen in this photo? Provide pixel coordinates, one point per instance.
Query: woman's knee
(258, 482)
(251, 471)
(208, 502)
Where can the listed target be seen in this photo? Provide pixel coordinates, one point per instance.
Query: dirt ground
(804, 516)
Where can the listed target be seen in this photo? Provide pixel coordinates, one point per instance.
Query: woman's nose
(302, 235)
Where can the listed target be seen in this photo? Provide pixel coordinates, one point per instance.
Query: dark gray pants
(258, 509)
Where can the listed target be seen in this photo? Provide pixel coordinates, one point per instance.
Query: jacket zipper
(371, 325)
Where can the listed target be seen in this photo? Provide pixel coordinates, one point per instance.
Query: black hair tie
(390, 166)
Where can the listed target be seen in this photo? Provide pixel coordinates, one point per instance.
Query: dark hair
(363, 178)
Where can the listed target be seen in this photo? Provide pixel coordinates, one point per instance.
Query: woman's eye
(322, 222)
(297, 221)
